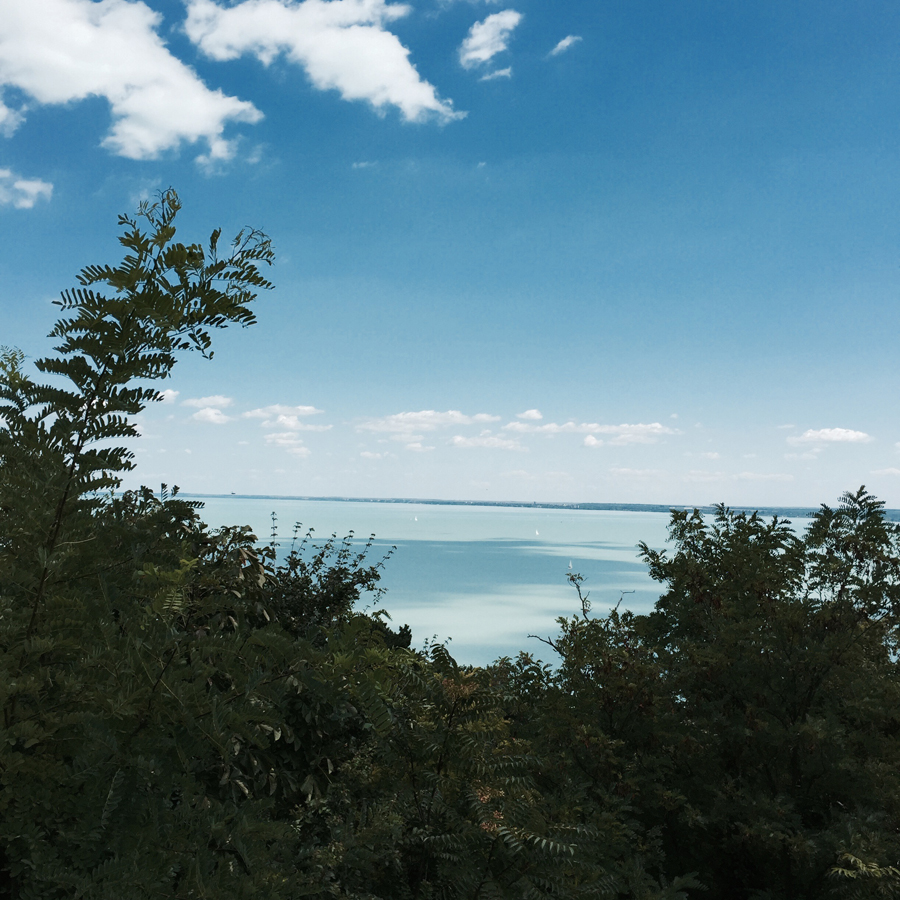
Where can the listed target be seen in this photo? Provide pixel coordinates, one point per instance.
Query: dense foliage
(191, 713)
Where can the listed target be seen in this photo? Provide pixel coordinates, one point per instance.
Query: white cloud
(591, 441)
(211, 416)
(499, 73)
(488, 38)
(831, 436)
(488, 441)
(280, 416)
(10, 119)
(22, 193)
(216, 400)
(418, 447)
(342, 45)
(891, 471)
(710, 455)
(167, 396)
(368, 454)
(289, 441)
(59, 51)
(637, 473)
(533, 415)
(638, 433)
(564, 44)
(410, 423)
(279, 409)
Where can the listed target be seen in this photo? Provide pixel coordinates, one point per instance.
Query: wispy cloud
(637, 473)
(488, 38)
(486, 441)
(831, 436)
(60, 51)
(216, 400)
(763, 476)
(343, 46)
(700, 476)
(286, 417)
(499, 73)
(890, 471)
(639, 433)
(22, 193)
(410, 423)
(565, 44)
(289, 441)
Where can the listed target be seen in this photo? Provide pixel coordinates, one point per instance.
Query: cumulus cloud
(639, 433)
(342, 45)
(410, 423)
(286, 417)
(890, 471)
(488, 38)
(60, 51)
(564, 44)
(488, 441)
(368, 454)
(167, 396)
(22, 193)
(211, 416)
(831, 436)
(289, 441)
(532, 415)
(418, 447)
(216, 400)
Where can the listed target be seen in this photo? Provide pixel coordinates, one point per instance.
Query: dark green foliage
(749, 725)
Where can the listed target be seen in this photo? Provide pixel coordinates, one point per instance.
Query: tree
(750, 722)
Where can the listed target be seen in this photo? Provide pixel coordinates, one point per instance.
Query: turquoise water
(483, 578)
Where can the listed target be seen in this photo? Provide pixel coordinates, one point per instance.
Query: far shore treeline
(185, 715)
(892, 515)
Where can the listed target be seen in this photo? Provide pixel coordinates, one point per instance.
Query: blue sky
(636, 252)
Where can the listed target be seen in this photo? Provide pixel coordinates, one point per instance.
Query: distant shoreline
(780, 511)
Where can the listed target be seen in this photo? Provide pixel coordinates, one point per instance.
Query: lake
(482, 578)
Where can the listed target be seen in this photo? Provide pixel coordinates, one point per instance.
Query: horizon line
(892, 514)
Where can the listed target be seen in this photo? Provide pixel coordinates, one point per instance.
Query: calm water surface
(482, 577)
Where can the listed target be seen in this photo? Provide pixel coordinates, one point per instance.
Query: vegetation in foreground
(186, 716)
